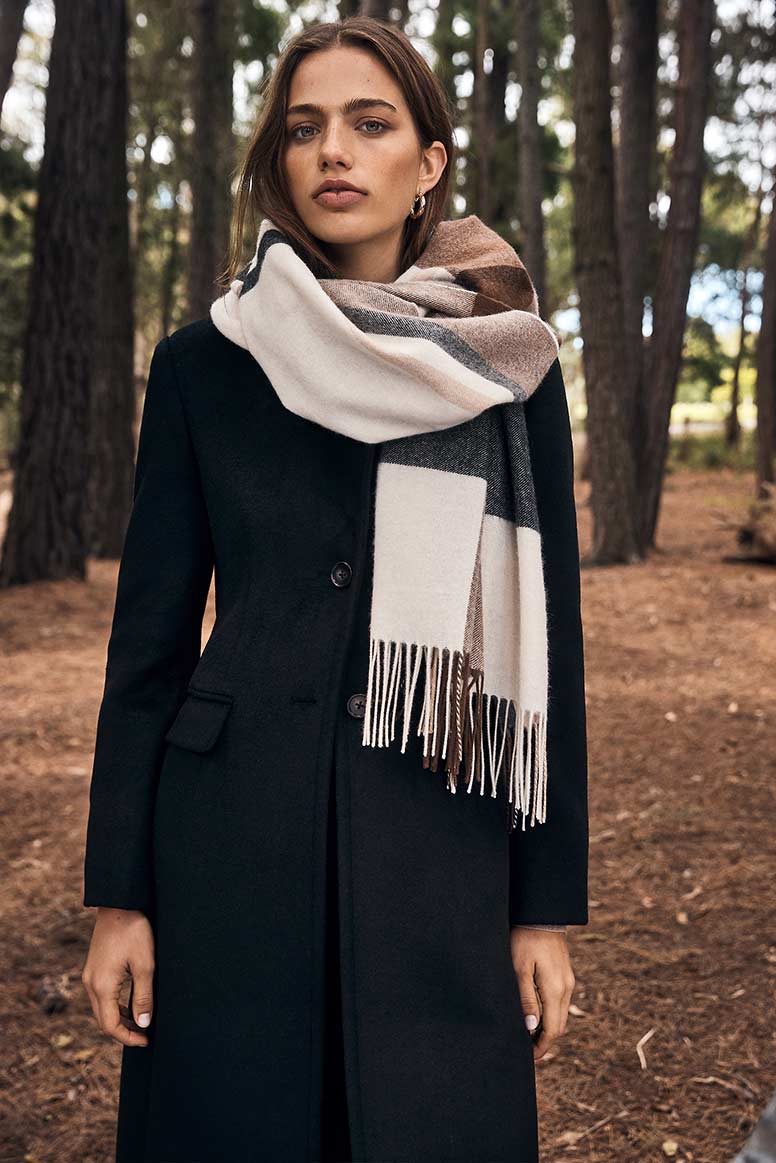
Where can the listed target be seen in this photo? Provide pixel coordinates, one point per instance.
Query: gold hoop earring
(417, 213)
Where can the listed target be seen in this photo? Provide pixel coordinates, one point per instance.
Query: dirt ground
(670, 1051)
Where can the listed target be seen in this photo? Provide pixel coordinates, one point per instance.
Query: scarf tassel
(458, 727)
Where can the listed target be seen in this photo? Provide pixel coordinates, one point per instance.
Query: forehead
(332, 77)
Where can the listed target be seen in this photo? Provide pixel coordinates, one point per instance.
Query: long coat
(209, 793)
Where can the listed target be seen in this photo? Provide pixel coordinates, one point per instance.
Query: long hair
(262, 190)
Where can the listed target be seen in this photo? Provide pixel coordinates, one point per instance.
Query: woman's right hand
(122, 948)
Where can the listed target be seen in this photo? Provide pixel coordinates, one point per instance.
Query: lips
(334, 198)
(343, 187)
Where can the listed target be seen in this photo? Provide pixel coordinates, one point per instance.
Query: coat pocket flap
(199, 720)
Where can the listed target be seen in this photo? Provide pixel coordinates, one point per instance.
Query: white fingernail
(531, 1021)
(144, 1020)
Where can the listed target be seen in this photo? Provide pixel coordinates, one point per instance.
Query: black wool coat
(209, 793)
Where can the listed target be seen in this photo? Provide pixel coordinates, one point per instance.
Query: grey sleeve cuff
(551, 928)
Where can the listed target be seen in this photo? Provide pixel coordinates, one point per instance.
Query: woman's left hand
(546, 982)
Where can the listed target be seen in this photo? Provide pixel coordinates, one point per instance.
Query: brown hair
(262, 188)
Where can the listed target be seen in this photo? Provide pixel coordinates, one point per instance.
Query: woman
(336, 957)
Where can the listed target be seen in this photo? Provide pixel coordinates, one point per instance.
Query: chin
(342, 226)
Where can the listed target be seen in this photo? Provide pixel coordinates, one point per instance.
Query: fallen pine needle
(744, 1090)
(639, 1045)
(571, 1138)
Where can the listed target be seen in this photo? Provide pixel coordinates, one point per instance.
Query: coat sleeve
(548, 862)
(163, 582)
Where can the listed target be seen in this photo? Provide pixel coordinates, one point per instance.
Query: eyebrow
(349, 107)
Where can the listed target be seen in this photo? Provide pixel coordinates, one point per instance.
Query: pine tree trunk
(531, 183)
(635, 179)
(482, 132)
(376, 8)
(170, 270)
(444, 42)
(766, 363)
(213, 154)
(113, 396)
(677, 258)
(732, 427)
(502, 131)
(598, 281)
(47, 535)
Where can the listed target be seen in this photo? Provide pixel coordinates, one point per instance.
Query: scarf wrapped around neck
(435, 367)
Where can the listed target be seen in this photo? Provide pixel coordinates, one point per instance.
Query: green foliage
(703, 451)
(704, 361)
(259, 29)
(727, 211)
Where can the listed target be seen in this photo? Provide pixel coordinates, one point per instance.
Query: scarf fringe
(461, 728)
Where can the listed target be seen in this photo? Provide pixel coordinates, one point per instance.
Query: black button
(341, 574)
(357, 706)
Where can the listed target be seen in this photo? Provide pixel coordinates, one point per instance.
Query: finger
(554, 1007)
(127, 1019)
(529, 999)
(110, 1020)
(92, 1001)
(542, 1043)
(142, 994)
(560, 994)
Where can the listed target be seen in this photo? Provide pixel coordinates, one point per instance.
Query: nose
(332, 147)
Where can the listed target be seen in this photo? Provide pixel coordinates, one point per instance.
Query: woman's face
(373, 145)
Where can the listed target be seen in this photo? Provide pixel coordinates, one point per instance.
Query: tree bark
(482, 130)
(612, 471)
(677, 257)
(732, 427)
(444, 42)
(171, 268)
(376, 8)
(635, 180)
(144, 184)
(530, 183)
(503, 133)
(47, 535)
(213, 154)
(112, 444)
(766, 363)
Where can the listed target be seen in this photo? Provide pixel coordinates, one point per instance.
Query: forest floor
(670, 1051)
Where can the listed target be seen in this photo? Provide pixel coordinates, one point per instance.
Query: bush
(710, 451)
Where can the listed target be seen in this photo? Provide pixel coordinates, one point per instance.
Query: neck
(376, 259)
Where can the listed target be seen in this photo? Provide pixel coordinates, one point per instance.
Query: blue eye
(295, 132)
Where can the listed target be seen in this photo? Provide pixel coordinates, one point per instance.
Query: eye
(299, 136)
